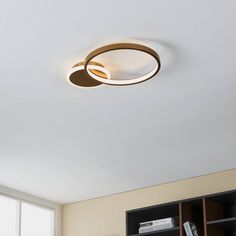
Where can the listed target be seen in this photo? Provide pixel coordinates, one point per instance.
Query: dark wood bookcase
(214, 215)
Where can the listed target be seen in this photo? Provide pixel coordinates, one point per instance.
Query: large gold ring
(121, 46)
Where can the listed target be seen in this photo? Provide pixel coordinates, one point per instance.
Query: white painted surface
(67, 144)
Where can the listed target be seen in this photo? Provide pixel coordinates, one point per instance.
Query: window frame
(27, 198)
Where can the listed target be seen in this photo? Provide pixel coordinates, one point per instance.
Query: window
(8, 216)
(36, 221)
(18, 218)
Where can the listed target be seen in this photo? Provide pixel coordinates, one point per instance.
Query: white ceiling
(67, 144)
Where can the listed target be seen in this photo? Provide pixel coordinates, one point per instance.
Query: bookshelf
(214, 215)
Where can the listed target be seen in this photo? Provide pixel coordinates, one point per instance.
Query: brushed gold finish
(81, 78)
(120, 46)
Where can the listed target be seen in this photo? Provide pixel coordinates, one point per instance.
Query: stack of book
(155, 225)
(190, 229)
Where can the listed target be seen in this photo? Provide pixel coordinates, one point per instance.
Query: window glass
(36, 221)
(8, 216)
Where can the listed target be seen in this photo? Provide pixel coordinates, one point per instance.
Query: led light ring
(120, 46)
(92, 66)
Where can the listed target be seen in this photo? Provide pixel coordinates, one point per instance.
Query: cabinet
(214, 215)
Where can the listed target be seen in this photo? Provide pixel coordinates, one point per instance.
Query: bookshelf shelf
(173, 231)
(225, 224)
(214, 215)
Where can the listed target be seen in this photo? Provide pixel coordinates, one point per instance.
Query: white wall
(106, 216)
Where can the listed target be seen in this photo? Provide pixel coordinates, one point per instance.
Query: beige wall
(106, 216)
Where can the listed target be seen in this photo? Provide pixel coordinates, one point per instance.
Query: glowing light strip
(120, 46)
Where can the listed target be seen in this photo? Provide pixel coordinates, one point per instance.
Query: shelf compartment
(192, 210)
(170, 232)
(221, 206)
(135, 217)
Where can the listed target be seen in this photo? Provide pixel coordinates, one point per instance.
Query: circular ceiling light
(78, 76)
(122, 46)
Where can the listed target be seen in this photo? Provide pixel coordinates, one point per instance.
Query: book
(151, 228)
(187, 229)
(190, 229)
(157, 222)
(194, 229)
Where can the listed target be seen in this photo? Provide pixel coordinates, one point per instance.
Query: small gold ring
(78, 77)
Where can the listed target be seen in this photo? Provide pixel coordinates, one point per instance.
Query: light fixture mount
(78, 77)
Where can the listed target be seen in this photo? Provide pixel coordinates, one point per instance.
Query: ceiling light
(122, 46)
(92, 74)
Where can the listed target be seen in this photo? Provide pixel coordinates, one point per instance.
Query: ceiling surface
(67, 144)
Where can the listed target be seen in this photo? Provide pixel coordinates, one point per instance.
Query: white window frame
(23, 197)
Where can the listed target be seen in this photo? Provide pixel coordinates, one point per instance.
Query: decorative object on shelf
(92, 74)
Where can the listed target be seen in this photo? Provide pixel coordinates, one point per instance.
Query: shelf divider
(181, 231)
(204, 216)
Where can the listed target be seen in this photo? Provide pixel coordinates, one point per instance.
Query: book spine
(187, 228)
